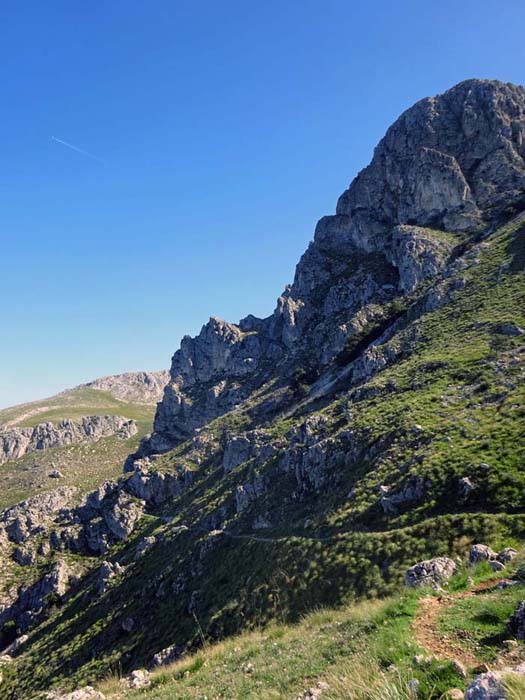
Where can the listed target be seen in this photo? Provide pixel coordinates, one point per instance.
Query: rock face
(135, 387)
(451, 163)
(33, 600)
(34, 515)
(16, 442)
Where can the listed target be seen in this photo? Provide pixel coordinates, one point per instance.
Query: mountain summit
(373, 421)
(454, 164)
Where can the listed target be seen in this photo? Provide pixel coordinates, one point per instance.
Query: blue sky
(222, 131)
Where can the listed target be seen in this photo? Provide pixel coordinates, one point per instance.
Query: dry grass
(361, 678)
(515, 687)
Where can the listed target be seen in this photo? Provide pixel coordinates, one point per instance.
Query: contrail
(78, 150)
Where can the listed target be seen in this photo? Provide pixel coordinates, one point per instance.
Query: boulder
(137, 679)
(465, 487)
(507, 554)
(490, 685)
(431, 572)
(481, 552)
(459, 668)
(496, 565)
(168, 655)
(314, 693)
(128, 625)
(413, 688)
(511, 329)
(14, 647)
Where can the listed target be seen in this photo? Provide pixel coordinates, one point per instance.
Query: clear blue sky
(225, 130)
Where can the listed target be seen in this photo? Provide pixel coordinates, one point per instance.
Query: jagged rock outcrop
(409, 495)
(16, 442)
(155, 487)
(241, 448)
(133, 387)
(107, 571)
(451, 164)
(34, 515)
(32, 601)
(105, 516)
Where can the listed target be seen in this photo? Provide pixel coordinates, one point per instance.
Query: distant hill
(135, 387)
(83, 463)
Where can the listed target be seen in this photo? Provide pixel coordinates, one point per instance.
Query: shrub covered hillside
(308, 459)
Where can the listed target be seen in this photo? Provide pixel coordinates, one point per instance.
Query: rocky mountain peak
(451, 162)
(447, 170)
(140, 387)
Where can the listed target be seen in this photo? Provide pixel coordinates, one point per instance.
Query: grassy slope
(84, 465)
(353, 649)
(469, 402)
(73, 404)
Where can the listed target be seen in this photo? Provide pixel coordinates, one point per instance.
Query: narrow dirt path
(426, 625)
(24, 416)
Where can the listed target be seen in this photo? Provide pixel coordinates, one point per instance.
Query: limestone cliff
(448, 169)
(16, 442)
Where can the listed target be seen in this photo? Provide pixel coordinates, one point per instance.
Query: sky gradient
(211, 137)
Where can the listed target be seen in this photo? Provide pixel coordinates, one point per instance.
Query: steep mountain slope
(309, 458)
(372, 650)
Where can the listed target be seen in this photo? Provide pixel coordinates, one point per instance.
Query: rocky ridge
(450, 168)
(16, 442)
(135, 387)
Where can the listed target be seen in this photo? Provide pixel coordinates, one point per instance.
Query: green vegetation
(84, 465)
(447, 406)
(364, 651)
(74, 404)
(479, 622)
